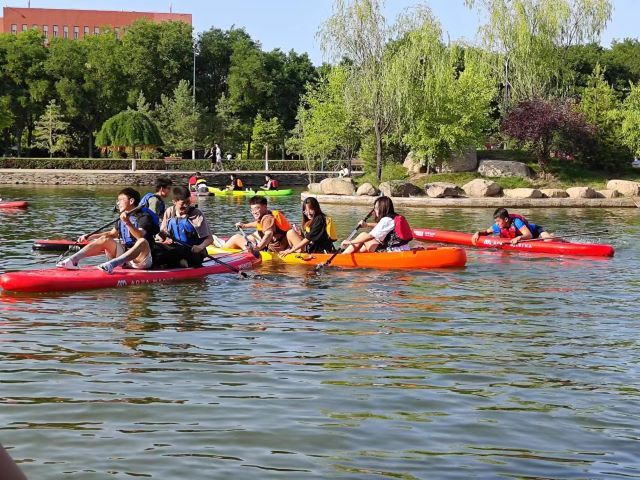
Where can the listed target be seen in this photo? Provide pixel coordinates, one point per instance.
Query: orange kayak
(439, 257)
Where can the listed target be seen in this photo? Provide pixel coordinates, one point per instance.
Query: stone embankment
(476, 193)
(142, 177)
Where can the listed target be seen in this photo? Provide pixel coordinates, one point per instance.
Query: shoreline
(480, 202)
(20, 176)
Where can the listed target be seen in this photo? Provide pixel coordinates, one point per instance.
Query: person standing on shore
(218, 154)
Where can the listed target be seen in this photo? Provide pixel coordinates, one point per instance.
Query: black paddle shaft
(220, 262)
(112, 222)
(353, 234)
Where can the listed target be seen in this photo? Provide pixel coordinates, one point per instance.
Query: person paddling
(184, 233)
(236, 183)
(318, 231)
(513, 226)
(391, 232)
(155, 202)
(270, 183)
(194, 180)
(273, 230)
(129, 242)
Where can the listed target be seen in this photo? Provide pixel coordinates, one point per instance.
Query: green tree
(267, 133)
(156, 57)
(6, 117)
(443, 110)
(51, 132)
(357, 33)
(179, 119)
(630, 128)
(128, 131)
(25, 81)
(601, 108)
(100, 87)
(529, 38)
(326, 123)
(249, 86)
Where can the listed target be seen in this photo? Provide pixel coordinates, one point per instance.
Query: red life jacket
(401, 234)
(273, 184)
(512, 231)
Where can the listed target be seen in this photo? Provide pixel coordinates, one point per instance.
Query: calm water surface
(517, 366)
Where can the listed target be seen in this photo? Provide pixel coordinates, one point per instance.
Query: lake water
(517, 366)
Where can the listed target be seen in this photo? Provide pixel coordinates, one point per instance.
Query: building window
(96, 30)
(76, 33)
(86, 31)
(45, 30)
(24, 27)
(14, 28)
(55, 31)
(65, 32)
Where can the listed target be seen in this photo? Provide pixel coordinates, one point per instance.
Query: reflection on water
(518, 366)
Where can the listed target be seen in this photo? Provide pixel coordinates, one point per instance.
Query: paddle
(218, 261)
(77, 245)
(112, 222)
(320, 266)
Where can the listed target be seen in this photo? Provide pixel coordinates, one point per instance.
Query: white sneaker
(68, 264)
(106, 267)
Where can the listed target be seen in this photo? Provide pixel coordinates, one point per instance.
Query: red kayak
(539, 246)
(56, 245)
(90, 277)
(16, 204)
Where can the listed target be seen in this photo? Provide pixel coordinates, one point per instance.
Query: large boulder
(413, 165)
(625, 187)
(608, 193)
(366, 189)
(443, 189)
(504, 168)
(466, 161)
(582, 192)
(337, 186)
(400, 188)
(314, 188)
(554, 193)
(479, 187)
(523, 193)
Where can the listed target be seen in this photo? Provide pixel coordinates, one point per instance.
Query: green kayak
(250, 193)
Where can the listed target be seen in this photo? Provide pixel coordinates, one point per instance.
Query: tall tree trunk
(378, 132)
(248, 149)
(90, 144)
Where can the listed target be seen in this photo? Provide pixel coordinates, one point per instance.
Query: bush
(391, 171)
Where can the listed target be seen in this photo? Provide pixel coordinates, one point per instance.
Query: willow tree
(529, 38)
(357, 35)
(630, 129)
(128, 131)
(444, 92)
(326, 123)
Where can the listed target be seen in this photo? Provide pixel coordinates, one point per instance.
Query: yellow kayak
(292, 258)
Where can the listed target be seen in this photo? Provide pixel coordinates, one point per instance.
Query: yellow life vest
(329, 226)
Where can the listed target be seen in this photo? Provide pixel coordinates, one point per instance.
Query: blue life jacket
(182, 230)
(129, 240)
(156, 217)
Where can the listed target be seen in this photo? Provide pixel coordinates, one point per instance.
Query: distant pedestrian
(218, 157)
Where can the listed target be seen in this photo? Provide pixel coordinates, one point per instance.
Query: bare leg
(106, 245)
(366, 246)
(546, 236)
(293, 238)
(236, 241)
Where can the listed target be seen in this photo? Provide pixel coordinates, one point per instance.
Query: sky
(292, 24)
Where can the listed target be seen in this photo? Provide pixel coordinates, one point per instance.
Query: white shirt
(385, 226)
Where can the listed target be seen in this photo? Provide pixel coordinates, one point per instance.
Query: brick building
(75, 24)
